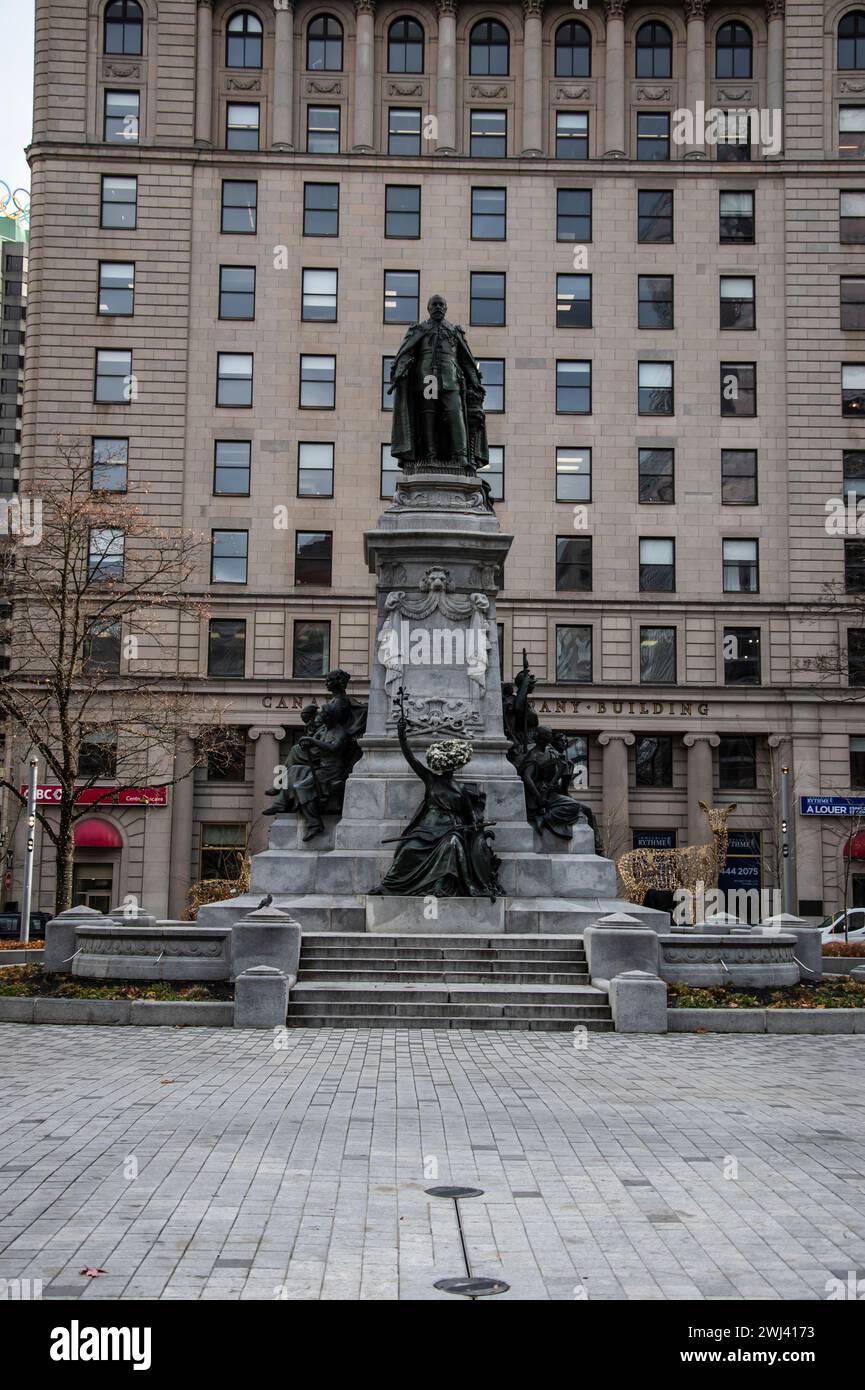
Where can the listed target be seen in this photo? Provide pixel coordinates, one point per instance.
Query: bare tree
(94, 688)
(831, 667)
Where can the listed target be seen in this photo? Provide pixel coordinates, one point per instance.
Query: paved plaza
(207, 1163)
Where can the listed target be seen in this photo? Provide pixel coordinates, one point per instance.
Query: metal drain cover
(454, 1192)
(472, 1288)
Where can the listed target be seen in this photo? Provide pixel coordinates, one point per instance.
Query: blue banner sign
(654, 839)
(832, 805)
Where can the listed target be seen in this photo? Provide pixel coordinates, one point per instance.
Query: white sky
(16, 91)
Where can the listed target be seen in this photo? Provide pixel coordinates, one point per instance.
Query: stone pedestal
(260, 998)
(436, 916)
(638, 1002)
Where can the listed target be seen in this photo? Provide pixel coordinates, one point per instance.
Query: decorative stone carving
(737, 94)
(654, 94)
(437, 499)
(573, 93)
(392, 572)
(501, 91)
(695, 9)
(324, 88)
(436, 714)
(436, 589)
(402, 89)
(121, 69)
(364, 7)
(533, 9)
(243, 84)
(446, 7)
(775, 9)
(847, 85)
(614, 9)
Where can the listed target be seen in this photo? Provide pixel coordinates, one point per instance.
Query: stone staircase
(361, 980)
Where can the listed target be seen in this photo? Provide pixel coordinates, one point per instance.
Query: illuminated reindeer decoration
(668, 869)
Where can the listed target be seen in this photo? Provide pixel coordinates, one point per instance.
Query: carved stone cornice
(446, 7)
(695, 9)
(775, 9)
(614, 9)
(609, 734)
(257, 730)
(713, 740)
(533, 9)
(364, 7)
(283, 6)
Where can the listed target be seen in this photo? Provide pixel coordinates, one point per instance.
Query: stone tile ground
(299, 1172)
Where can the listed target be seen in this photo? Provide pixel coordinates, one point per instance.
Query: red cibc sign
(47, 795)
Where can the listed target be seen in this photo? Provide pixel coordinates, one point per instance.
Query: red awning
(855, 848)
(97, 834)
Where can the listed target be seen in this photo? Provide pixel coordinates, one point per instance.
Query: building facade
(650, 220)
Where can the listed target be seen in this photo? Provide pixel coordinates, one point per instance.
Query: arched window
(489, 49)
(733, 47)
(573, 50)
(405, 46)
(324, 44)
(124, 27)
(654, 51)
(243, 41)
(851, 41)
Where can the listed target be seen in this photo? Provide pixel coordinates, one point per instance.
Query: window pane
(390, 471)
(116, 287)
(573, 301)
(656, 476)
(234, 383)
(574, 654)
(321, 209)
(317, 382)
(488, 214)
(741, 656)
(572, 135)
(658, 655)
(492, 372)
(226, 654)
(653, 136)
(739, 476)
(313, 557)
(237, 292)
(654, 760)
(311, 658)
(315, 470)
(109, 464)
(320, 295)
(228, 562)
(401, 296)
(655, 301)
(242, 126)
(487, 299)
(402, 211)
(121, 117)
(322, 129)
(239, 206)
(231, 468)
(403, 131)
(574, 214)
(573, 388)
(737, 761)
(119, 202)
(573, 475)
(489, 134)
(655, 216)
(574, 563)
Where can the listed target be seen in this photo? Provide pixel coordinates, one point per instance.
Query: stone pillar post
(614, 83)
(532, 90)
(266, 742)
(775, 60)
(182, 797)
(283, 77)
(446, 82)
(695, 90)
(204, 74)
(364, 75)
(699, 748)
(616, 810)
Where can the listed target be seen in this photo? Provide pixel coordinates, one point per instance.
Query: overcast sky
(16, 101)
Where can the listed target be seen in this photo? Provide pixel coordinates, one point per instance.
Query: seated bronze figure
(316, 770)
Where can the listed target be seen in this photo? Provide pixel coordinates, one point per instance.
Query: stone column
(699, 748)
(614, 83)
(616, 809)
(800, 751)
(364, 76)
(532, 86)
(204, 74)
(695, 89)
(182, 797)
(775, 62)
(283, 77)
(266, 740)
(446, 82)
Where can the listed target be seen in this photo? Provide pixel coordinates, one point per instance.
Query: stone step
(457, 976)
(491, 960)
(436, 941)
(535, 1024)
(391, 992)
(476, 1008)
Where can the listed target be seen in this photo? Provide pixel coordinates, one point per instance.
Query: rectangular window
(494, 472)
(573, 388)
(109, 464)
(121, 117)
(573, 474)
(319, 296)
(321, 209)
(574, 563)
(97, 755)
(852, 389)
(738, 388)
(242, 125)
(386, 400)
(851, 132)
(655, 301)
(402, 210)
(737, 761)
(573, 301)
(734, 137)
(739, 477)
(856, 656)
(653, 756)
(113, 376)
(572, 135)
(737, 302)
(116, 287)
(656, 476)
(226, 647)
(488, 134)
(492, 372)
(226, 762)
(854, 567)
(655, 215)
(234, 379)
(119, 205)
(314, 470)
(401, 296)
(237, 291)
(574, 214)
(223, 847)
(657, 564)
(228, 551)
(239, 206)
(574, 655)
(403, 130)
(857, 761)
(489, 214)
(741, 656)
(852, 301)
(311, 650)
(854, 473)
(313, 558)
(231, 467)
(658, 655)
(655, 388)
(736, 218)
(322, 130)
(390, 470)
(317, 383)
(851, 215)
(487, 299)
(102, 648)
(741, 572)
(105, 553)
(653, 135)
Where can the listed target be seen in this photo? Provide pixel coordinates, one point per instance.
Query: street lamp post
(28, 857)
(788, 854)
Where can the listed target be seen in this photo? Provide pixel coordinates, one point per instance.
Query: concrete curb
(166, 1013)
(22, 957)
(766, 1020)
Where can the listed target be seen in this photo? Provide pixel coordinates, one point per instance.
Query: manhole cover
(472, 1288)
(454, 1192)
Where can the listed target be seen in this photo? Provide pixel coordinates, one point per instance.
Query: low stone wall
(766, 1020)
(756, 962)
(841, 965)
(22, 957)
(163, 1013)
(169, 951)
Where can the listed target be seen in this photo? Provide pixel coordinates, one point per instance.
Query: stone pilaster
(182, 798)
(775, 62)
(616, 805)
(204, 74)
(614, 82)
(283, 77)
(266, 760)
(533, 11)
(695, 90)
(364, 77)
(699, 748)
(446, 81)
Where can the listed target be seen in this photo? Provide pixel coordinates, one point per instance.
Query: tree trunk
(64, 858)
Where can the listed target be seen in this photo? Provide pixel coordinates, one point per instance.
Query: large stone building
(241, 206)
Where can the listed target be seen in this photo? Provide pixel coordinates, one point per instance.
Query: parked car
(833, 927)
(10, 924)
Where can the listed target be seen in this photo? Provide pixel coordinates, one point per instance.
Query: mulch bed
(30, 982)
(835, 992)
(12, 944)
